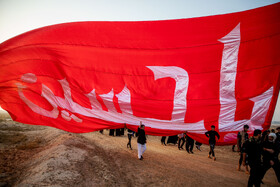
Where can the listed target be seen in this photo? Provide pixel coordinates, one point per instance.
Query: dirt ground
(44, 156)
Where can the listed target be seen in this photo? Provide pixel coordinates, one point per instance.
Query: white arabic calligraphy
(227, 98)
(227, 89)
(124, 98)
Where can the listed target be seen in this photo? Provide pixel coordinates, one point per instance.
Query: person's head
(278, 129)
(272, 137)
(246, 128)
(257, 133)
(273, 130)
(267, 132)
(213, 127)
(142, 126)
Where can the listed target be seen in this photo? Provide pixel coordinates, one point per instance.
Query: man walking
(253, 149)
(212, 134)
(270, 155)
(242, 136)
(141, 141)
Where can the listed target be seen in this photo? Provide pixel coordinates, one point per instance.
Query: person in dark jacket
(270, 155)
(141, 140)
(212, 134)
(253, 149)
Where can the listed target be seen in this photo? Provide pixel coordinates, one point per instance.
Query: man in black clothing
(242, 137)
(270, 155)
(212, 134)
(253, 149)
(141, 141)
(189, 144)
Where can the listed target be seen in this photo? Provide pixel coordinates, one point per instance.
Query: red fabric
(109, 55)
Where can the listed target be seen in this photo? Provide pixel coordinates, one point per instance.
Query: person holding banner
(242, 137)
(212, 134)
(253, 148)
(141, 140)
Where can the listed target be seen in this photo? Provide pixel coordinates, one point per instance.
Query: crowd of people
(258, 152)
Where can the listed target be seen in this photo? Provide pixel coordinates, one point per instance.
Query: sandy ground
(45, 156)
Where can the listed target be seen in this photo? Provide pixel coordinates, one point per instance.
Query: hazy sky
(18, 16)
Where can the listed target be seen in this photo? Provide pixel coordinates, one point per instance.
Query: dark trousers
(118, 132)
(129, 140)
(276, 168)
(180, 146)
(112, 132)
(256, 171)
(122, 132)
(212, 147)
(189, 144)
(163, 140)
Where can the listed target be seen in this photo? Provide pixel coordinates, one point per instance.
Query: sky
(19, 16)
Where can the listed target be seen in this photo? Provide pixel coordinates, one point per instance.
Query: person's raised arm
(207, 134)
(218, 136)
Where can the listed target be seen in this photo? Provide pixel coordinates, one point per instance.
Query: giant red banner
(173, 75)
